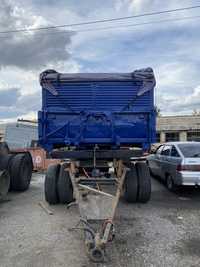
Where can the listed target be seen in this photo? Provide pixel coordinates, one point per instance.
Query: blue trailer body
(83, 110)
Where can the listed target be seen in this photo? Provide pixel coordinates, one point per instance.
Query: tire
(144, 182)
(150, 171)
(20, 170)
(5, 161)
(131, 186)
(4, 183)
(4, 149)
(50, 184)
(170, 184)
(64, 186)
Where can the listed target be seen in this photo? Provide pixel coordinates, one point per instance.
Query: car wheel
(170, 183)
(150, 171)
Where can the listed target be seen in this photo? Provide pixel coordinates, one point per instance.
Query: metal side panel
(111, 96)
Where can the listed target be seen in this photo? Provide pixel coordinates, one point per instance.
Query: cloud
(13, 104)
(29, 103)
(33, 50)
(177, 76)
(182, 105)
(9, 97)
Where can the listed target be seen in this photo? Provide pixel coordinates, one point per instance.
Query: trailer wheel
(20, 169)
(5, 161)
(144, 182)
(131, 186)
(4, 149)
(64, 186)
(4, 183)
(50, 184)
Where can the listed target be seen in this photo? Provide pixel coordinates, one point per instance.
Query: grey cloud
(7, 19)
(82, 8)
(9, 97)
(182, 103)
(34, 51)
(13, 104)
(29, 103)
(7, 114)
(30, 51)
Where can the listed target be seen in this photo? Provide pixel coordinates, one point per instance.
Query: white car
(177, 163)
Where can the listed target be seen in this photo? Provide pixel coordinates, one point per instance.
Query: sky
(172, 49)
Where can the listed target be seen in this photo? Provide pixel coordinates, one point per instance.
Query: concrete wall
(180, 124)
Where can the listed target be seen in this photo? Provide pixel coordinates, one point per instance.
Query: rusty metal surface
(39, 157)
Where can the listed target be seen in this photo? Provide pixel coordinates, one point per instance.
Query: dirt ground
(164, 232)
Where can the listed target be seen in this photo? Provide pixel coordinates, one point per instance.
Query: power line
(112, 27)
(100, 21)
(138, 24)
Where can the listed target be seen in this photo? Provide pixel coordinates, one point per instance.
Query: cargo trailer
(99, 125)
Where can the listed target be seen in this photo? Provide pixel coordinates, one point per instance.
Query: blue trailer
(99, 124)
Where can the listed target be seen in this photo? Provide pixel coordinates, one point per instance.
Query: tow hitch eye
(96, 254)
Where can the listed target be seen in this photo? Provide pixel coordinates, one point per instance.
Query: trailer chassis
(90, 174)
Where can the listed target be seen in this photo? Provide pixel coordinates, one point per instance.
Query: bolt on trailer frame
(101, 123)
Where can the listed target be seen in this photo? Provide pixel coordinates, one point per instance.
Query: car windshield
(190, 150)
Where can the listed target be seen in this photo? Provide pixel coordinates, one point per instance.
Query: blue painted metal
(87, 110)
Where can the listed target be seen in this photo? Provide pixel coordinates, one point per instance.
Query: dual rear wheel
(137, 184)
(58, 187)
(15, 171)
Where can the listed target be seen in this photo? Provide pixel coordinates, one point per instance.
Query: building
(178, 128)
(20, 134)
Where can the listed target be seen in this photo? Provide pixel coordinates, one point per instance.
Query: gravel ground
(164, 232)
